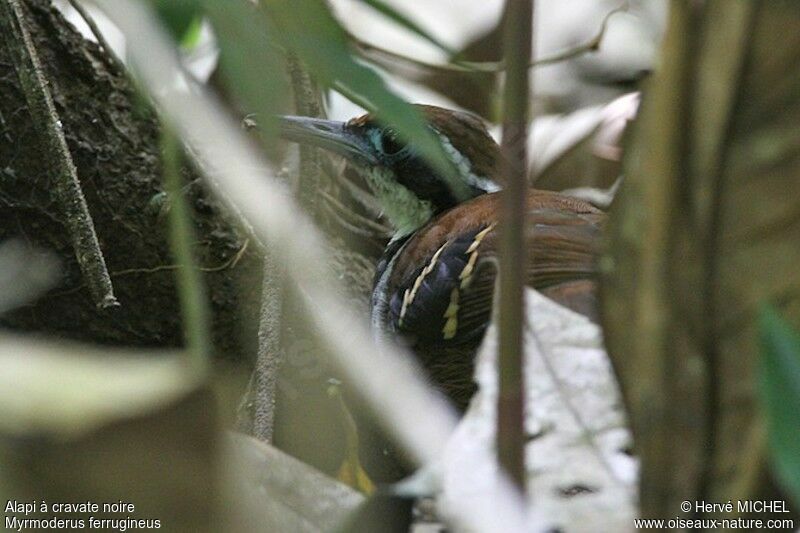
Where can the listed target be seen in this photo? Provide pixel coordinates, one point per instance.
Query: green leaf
(310, 30)
(780, 394)
(251, 65)
(402, 20)
(191, 37)
(177, 15)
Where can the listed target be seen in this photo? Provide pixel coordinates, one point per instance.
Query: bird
(434, 283)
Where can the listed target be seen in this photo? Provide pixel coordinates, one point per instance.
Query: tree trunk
(113, 137)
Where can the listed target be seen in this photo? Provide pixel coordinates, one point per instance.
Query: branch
(78, 220)
(370, 51)
(113, 58)
(306, 103)
(276, 303)
(270, 349)
(592, 45)
(518, 41)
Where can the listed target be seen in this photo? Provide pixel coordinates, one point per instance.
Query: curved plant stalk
(386, 58)
(78, 220)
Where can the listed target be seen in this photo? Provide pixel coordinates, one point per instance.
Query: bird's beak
(330, 135)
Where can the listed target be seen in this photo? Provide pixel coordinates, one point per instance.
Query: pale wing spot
(466, 273)
(451, 314)
(406, 301)
(479, 237)
(452, 309)
(409, 296)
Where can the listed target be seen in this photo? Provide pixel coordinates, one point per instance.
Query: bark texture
(112, 135)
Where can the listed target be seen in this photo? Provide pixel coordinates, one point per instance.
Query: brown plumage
(563, 235)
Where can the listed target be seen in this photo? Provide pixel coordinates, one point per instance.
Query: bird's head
(409, 190)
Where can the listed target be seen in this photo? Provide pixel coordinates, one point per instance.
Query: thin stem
(191, 291)
(276, 301)
(113, 58)
(518, 41)
(371, 51)
(307, 105)
(78, 220)
(270, 348)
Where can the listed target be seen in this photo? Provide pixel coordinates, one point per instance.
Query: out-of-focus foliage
(25, 273)
(583, 148)
(704, 230)
(474, 29)
(276, 492)
(780, 393)
(102, 426)
(178, 15)
(251, 64)
(110, 425)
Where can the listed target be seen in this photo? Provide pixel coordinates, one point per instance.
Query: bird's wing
(446, 298)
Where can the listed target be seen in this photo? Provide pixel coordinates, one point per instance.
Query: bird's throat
(406, 211)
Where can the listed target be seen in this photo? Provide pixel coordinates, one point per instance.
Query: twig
(194, 306)
(229, 263)
(112, 56)
(270, 349)
(369, 51)
(306, 103)
(592, 45)
(78, 220)
(275, 301)
(518, 41)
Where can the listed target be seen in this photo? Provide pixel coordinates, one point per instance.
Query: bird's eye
(390, 143)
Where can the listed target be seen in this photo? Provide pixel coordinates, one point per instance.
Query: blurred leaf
(177, 15)
(26, 273)
(780, 394)
(79, 423)
(191, 37)
(309, 29)
(69, 390)
(249, 60)
(401, 20)
(704, 230)
(275, 492)
(350, 472)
